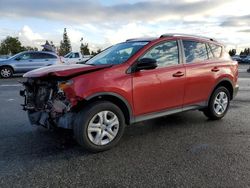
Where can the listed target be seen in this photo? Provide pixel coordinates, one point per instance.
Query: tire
(99, 126)
(218, 104)
(6, 72)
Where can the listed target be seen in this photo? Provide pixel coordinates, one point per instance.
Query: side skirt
(169, 112)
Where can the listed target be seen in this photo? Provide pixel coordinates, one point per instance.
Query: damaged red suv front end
(50, 96)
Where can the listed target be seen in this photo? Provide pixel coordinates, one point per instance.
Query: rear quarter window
(216, 49)
(50, 56)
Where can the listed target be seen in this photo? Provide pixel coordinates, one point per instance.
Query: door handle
(178, 74)
(215, 69)
(30, 60)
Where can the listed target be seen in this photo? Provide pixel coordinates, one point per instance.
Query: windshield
(68, 54)
(116, 54)
(15, 56)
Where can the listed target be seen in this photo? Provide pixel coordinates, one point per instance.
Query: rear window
(50, 56)
(195, 51)
(216, 49)
(43, 56)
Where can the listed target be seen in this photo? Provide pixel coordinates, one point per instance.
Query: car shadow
(42, 143)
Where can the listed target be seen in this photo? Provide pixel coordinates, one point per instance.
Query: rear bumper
(236, 89)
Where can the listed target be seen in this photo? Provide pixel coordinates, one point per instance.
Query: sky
(106, 22)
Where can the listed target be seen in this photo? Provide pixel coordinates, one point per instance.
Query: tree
(97, 52)
(232, 52)
(84, 49)
(245, 52)
(29, 48)
(65, 46)
(49, 46)
(10, 46)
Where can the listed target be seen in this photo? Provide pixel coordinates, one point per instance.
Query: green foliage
(95, 53)
(245, 52)
(232, 52)
(65, 46)
(10, 46)
(84, 49)
(29, 48)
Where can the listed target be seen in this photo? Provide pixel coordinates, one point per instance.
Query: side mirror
(146, 64)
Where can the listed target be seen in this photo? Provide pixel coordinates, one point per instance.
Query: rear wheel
(6, 72)
(218, 104)
(99, 126)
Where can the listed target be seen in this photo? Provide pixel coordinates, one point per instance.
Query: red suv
(129, 82)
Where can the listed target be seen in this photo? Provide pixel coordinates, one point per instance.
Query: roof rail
(141, 39)
(186, 35)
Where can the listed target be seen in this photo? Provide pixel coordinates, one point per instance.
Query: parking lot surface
(182, 150)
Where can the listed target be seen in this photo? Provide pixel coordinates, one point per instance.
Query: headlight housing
(65, 84)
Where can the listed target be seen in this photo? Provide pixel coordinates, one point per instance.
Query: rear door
(199, 72)
(162, 88)
(50, 59)
(42, 59)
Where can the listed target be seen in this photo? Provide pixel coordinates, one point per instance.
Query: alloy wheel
(5, 73)
(220, 103)
(103, 128)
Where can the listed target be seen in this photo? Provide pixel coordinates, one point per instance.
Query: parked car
(236, 58)
(246, 59)
(75, 57)
(27, 61)
(130, 82)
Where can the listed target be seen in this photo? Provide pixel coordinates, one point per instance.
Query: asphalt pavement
(182, 150)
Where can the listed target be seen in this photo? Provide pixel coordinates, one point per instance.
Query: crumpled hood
(63, 70)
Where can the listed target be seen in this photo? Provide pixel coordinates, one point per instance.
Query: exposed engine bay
(46, 104)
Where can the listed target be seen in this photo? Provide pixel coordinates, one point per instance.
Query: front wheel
(218, 104)
(99, 126)
(6, 72)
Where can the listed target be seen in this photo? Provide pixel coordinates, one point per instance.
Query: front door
(24, 62)
(162, 88)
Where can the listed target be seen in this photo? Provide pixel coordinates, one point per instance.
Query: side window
(25, 56)
(165, 54)
(209, 51)
(50, 56)
(194, 51)
(76, 55)
(216, 49)
(70, 55)
(38, 56)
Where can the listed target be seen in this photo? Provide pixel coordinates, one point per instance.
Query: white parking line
(242, 70)
(10, 85)
(243, 79)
